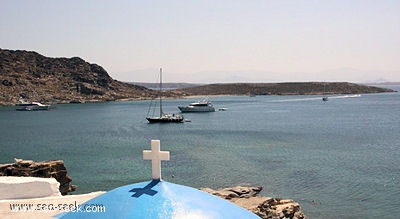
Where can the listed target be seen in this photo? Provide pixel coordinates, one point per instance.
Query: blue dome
(159, 199)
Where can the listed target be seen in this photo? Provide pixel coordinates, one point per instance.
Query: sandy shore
(42, 207)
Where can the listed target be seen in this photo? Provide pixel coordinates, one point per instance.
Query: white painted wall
(28, 187)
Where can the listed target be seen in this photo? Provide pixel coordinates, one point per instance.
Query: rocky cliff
(34, 77)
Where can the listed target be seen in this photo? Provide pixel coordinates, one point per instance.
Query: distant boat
(204, 105)
(325, 98)
(163, 117)
(31, 106)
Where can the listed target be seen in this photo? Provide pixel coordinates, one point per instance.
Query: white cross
(156, 156)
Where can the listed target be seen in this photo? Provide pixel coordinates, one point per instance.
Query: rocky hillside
(294, 88)
(34, 77)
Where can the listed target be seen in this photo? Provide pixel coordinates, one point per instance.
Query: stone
(235, 192)
(44, 169)
(265, 207)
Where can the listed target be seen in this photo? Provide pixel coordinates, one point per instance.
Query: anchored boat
(31, 106)
(163, 117)
(204, 105)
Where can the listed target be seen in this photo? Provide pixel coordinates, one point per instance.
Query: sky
(214, 41)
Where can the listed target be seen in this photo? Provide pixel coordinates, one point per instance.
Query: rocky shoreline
(246, 197)
(265, 207)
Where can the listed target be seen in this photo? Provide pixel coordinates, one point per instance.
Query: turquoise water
(338, 159)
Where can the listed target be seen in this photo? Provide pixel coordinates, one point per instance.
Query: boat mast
(160, 91)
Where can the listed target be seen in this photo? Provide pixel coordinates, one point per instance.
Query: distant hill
(294, 88)
(167, 86)
(35, 77)
(383, 83)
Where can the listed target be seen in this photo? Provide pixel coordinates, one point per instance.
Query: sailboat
(325, 97)
(163, 117)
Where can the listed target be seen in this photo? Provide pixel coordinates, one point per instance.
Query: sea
(337, 159)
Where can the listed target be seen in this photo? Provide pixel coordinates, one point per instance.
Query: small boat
(222, 109)
(204, 105)
(31, 106)
(163, 117)
(325, 98)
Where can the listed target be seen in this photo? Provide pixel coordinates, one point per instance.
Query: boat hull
(32, 108)
(166, 118)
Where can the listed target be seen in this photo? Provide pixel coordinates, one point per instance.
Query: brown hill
(294, 88)
(35, 77)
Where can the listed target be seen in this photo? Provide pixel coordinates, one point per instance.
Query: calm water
(338, 159)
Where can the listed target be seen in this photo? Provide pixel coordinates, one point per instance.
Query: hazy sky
(214, 40)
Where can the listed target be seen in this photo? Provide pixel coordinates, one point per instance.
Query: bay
(338, 159)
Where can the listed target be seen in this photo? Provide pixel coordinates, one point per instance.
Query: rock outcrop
(45, 169)
(34, 77)
(265, 207)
